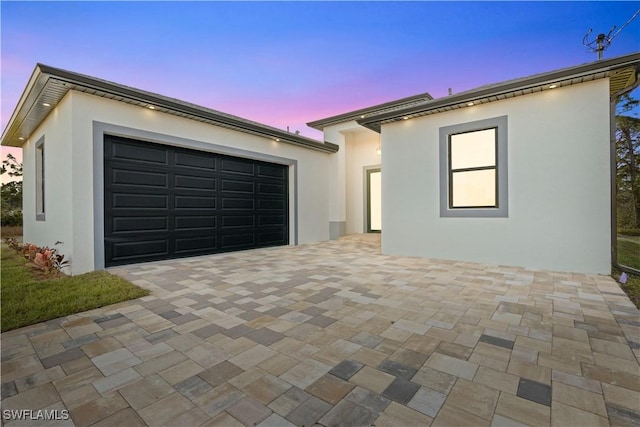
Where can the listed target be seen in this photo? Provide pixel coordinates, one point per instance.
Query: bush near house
(29, 297)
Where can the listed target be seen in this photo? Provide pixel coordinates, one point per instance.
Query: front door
(374, 200)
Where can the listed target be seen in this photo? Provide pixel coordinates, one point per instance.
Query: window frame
(500, 209)
(40, 180)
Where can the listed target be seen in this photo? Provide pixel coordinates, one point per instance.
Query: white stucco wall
(361, 149)
(357, 149)
(70, 171)
(559, 194)
(58, 201)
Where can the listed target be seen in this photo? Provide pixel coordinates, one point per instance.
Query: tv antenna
(603, 41)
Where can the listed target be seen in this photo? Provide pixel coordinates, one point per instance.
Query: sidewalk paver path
(335, 334)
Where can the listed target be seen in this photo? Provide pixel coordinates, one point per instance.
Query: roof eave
(363, 112)
(455, 101)
(43, 73)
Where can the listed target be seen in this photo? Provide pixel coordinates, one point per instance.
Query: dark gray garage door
(166, 202)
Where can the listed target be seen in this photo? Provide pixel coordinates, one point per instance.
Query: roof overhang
(363, 113)
(621, 71)
(48, 85)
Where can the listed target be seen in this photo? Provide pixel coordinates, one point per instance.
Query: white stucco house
(516, 173)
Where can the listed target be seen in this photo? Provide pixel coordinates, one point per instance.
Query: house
(516, 173)
(119, 175)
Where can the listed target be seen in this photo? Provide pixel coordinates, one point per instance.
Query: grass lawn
(28, 297)
(629, 251)
(629, 255)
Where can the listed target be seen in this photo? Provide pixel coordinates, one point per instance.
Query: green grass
(629, 255)
(629, 251)
(631, 288)
(28, 297)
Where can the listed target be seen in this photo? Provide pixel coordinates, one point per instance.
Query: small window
(473, 169)
(40, 180)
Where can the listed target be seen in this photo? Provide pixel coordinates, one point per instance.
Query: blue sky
(287, 63)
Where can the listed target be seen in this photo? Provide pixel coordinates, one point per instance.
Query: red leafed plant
(46, 259)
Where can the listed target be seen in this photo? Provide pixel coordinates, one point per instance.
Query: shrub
(46, 259)
(11, 218)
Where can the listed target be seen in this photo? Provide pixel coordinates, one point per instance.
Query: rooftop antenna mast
(603, 41)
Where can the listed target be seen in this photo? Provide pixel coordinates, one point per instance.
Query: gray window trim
(502, 209)
(40, 183)
(367, 201)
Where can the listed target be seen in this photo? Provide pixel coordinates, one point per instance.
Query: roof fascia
(44, 72)
(355, 114)
(374, 122)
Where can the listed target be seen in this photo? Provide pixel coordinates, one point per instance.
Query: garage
(166, 202)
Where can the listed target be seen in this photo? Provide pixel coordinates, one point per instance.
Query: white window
(473, 169)
(40, 180)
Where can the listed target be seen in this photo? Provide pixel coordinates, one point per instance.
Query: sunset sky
(287, 63)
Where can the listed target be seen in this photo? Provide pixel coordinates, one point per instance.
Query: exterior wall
(58, 223)
(357, 149)
(360, 153)
(559, 194)
(78, 182)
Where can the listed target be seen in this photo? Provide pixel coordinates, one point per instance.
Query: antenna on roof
(603, 41)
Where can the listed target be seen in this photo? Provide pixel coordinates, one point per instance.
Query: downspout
(613, 159)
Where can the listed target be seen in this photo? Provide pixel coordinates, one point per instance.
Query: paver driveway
(336, 334)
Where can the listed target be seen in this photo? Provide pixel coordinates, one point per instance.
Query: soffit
(49, 85)
(622, 71)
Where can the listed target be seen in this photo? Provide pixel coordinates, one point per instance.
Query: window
(40, 180)
(473, 169)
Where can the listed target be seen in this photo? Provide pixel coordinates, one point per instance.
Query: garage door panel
(271, 188)
(271, 238)
(267, 171)
(194, 202)
(240, 167)
(201, 222)
(238, 240)
(195, 244)
(141, 152)
(125, 177)
(238, 204)
(140, 223)
(271, 204)
(185, 202)
(271, 220)
(236, 186)
(190, 182)
(126, 251)
(199, 160)
(232, 221)
(140, 201)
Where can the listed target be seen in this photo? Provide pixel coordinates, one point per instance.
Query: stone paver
(337, 334)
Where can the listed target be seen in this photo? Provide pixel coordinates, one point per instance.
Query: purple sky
(287, 63)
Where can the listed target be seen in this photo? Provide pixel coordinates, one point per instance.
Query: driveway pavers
(335, 334)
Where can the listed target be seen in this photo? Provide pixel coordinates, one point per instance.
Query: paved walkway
(336, 334)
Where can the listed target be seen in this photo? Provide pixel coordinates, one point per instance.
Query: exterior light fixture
(405, 118)
(470, 104)
(21, 138)
(44, 104)
(277, 139)
(553, 86)
(362, 116)
(151, 107)
(379, 150)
